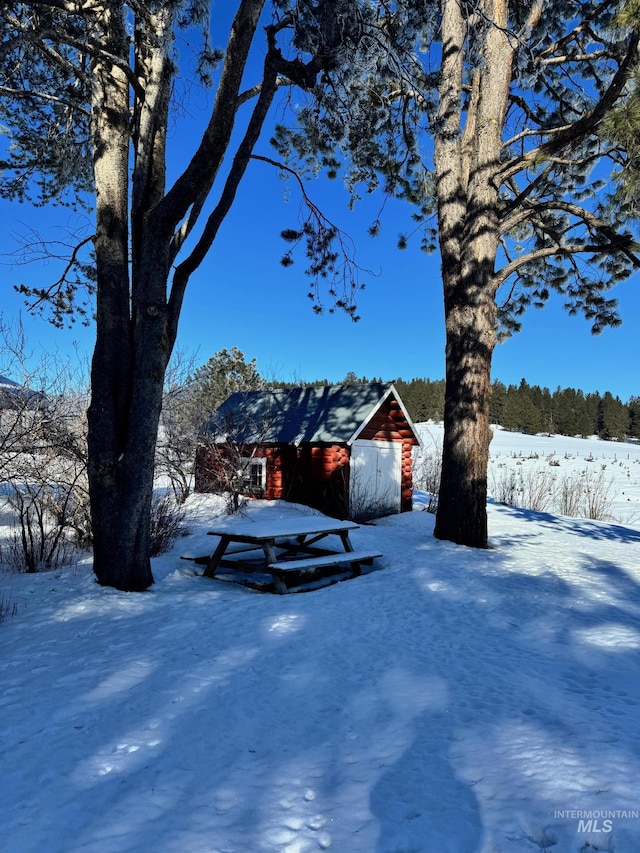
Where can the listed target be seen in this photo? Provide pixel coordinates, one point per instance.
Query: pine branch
(26, 94)
(595, 225)
(567, 250)
(569, 136)
(43, 38)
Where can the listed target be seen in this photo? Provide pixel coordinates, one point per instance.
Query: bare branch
(195, 183)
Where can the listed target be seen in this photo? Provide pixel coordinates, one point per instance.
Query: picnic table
(285, 548)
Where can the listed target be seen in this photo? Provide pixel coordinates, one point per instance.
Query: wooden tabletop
(259, 531)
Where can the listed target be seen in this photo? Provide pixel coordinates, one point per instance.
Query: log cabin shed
(345, 450)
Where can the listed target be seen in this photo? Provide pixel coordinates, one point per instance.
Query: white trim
(248, 463)
(390, 390)
(406, 414)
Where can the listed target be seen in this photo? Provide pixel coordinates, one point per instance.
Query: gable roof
(316, 414)
(8, 383)
(14, 395)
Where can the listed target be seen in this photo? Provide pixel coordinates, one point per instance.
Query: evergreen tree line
(520, 408)
(531, 409)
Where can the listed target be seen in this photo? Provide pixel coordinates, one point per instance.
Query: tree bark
(117, 462)
(132, 343)
(470, 337)
(466, 161)
(137, 309)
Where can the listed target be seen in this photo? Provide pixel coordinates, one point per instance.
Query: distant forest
(529, 408)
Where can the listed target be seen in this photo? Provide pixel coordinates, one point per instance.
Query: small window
(254, 474)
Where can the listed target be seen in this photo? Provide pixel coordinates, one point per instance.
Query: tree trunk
(121, 464)
(136, 322)
(470, 336)
(466, 160)
(130, 353)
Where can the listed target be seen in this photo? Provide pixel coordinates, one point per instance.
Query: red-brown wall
(388, 424)
(320, 478)
(318, 475)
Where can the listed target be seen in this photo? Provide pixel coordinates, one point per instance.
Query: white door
(375, 478)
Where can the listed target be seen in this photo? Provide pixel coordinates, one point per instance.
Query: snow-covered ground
(453, 701)
(611, 467)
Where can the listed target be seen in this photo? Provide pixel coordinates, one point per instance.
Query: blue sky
(243, 297)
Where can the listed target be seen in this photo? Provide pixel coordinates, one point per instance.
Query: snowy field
(455, 701)
(611, 467)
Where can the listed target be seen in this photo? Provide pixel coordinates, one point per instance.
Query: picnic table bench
(284, 548)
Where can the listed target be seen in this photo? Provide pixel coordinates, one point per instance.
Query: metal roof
(8, 383)
(14, 395)
(325, 413)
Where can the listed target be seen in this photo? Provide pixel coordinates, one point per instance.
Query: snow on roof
(8, 383)
(13, 392)
(324, 413)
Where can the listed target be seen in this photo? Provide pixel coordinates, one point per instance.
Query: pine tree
(498, 402)
(488, 118)
(566, 411)
(634, 417)
(592, 404)
(88, 102)
(613, 418)
(221, 376)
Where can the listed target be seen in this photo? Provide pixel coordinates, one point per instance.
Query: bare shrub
(427, 471)
(8, 607)
(178, 428)
(432, 502)
(72, 510)
(505, 487)
(528, 488)
(364, 503)
(38, 542)
(568, 497)
(536, 489)
(169, 520)
(228, 460)
(585, 494)
(597, 495)
(233, 471)
(43, 460)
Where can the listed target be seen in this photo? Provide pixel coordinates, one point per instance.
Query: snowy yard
(454, 701)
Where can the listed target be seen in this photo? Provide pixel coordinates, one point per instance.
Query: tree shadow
(541, 722)
(439, 704)
(575, 526)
